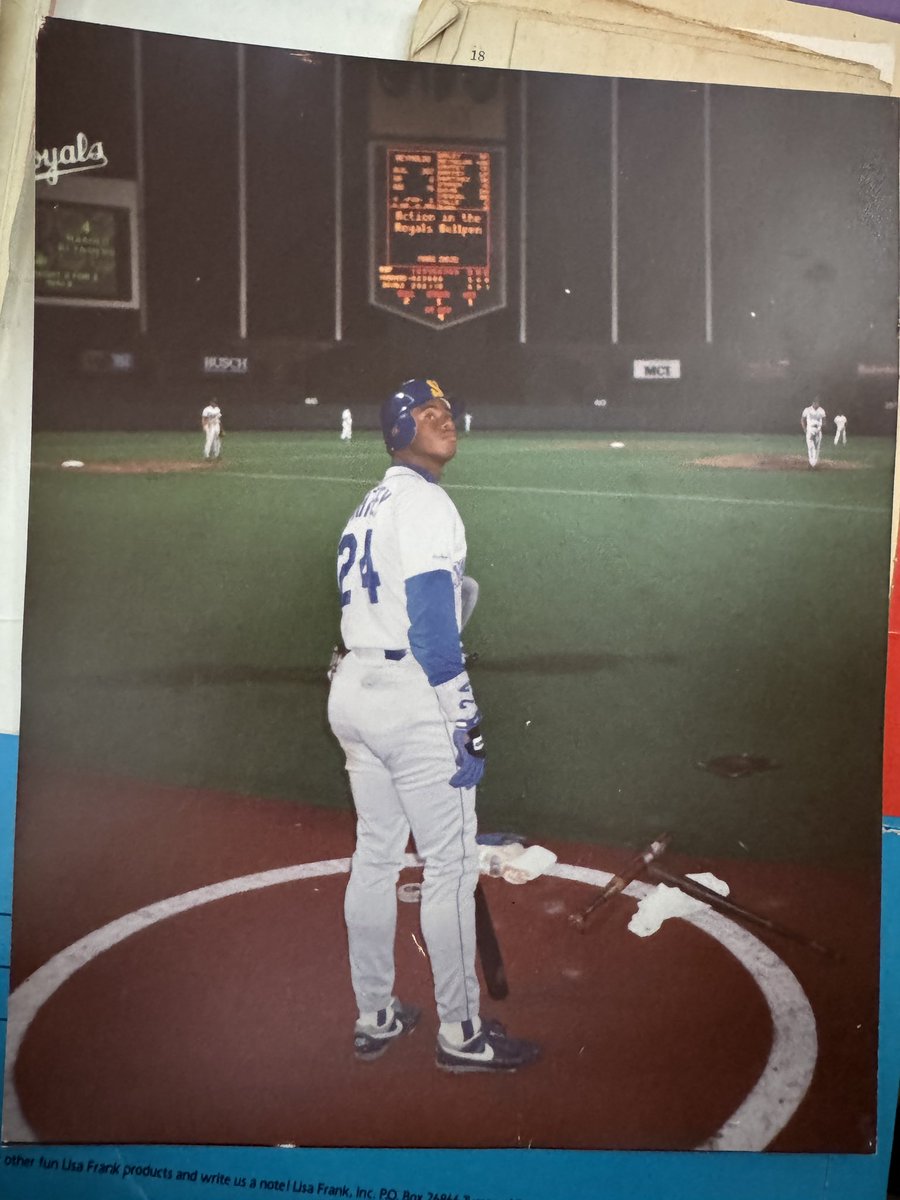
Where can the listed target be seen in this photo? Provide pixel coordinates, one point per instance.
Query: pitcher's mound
(146, 467)
(773, 462)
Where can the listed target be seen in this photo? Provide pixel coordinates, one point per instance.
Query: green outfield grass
(638, 614)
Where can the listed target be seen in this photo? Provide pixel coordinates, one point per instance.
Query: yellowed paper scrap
(20, 21)
(826, 31)
(16, 332)
(481, 36)
(630, 39)
(538, 46)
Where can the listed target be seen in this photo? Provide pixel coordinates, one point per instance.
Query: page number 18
(477, 55)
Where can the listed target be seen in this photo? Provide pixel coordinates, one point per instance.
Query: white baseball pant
(400, 757)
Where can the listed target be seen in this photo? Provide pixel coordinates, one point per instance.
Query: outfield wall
(247, 405)
(745, 238)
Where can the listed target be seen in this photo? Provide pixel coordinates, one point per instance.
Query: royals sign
(81, 155)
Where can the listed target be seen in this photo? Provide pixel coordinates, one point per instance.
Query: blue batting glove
(469, 755)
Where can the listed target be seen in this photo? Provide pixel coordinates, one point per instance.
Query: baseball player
(402, 707)
(840, 429)
(467, 421)
(212, 428)
(811, 420)
(346, 425)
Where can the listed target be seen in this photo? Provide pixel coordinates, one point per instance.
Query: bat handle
(616, 884)
(619, 883)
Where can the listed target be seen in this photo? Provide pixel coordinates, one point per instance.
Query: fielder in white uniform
(346, 425)
(812, 419)
(840, 429)
(402, 707)
(212, 428)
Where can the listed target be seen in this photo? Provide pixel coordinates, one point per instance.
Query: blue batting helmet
(397, 422)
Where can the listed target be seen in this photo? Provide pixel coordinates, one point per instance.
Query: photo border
(484, 1174)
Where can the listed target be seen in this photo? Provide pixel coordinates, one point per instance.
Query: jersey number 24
(369, 577)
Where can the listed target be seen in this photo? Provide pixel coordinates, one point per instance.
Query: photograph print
(456, 606)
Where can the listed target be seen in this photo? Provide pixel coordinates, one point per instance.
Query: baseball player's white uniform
(346, 425)
(384, 711)
(467, 422)
(402, 707)
(840, 429)
(812, 419)
(212, 428)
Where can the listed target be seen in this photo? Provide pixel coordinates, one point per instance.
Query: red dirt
(150, 466)
(774, 462)
(231, 1024)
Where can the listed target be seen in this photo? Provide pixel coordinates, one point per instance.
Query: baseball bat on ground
(618, 883)
(489, 948)
(729, 909)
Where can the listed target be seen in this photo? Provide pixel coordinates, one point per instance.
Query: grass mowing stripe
(662, 497)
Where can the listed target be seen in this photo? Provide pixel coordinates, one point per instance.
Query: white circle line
(788, 1072)
(762, 1115)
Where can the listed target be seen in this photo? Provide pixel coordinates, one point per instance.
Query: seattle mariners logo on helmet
(397, 422)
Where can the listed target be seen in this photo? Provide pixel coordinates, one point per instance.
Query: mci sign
(657, 368)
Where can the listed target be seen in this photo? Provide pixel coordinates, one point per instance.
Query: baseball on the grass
(617, 445)
(72, 462)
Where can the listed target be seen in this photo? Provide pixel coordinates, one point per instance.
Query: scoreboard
(86, 243)
(81, 252)
(437, 232)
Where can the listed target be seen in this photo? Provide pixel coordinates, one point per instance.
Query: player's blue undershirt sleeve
(433, 631)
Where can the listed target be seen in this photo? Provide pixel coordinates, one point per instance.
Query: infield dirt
(773, 462)
(137, 467)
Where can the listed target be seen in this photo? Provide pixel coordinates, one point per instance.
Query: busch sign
(217, 364)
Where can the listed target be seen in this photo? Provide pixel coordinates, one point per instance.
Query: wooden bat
(489, 948)
(618, 883)
(700, 892)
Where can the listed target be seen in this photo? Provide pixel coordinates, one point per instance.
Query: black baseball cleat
(371, 1041)
(490, 1050)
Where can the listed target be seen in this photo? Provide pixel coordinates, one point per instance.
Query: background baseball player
(840, 429)
(346, 425)
(812, 419)
(212, 428)
(402, 706)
